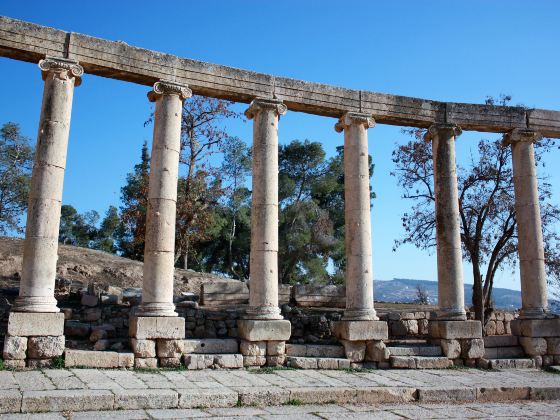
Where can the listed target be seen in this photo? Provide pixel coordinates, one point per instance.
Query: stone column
(40, 253)
(263, 289)
(263, 332)
(159, 252)
(357, 213)
(529, 231)
(451, 294)
(359, 331)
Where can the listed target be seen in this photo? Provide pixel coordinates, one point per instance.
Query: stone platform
(70, 390)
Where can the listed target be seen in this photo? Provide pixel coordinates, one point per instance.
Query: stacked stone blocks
(540, 339)
(363, 341)
(263, 342)
(460, 341)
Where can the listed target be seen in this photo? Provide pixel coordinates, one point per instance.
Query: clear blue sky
(445, 50)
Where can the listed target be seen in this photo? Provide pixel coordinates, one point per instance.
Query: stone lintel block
(264, 330)
(153, 327)
(30, 324)
(536, 327)
(455, 329)
(361, 330)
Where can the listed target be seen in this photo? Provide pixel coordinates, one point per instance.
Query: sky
(458, 51)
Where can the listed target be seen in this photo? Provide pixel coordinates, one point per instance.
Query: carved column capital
(522, 135)
(351, 118)
(265, 104)
(443, 128)
(165, 87)
(61, 68)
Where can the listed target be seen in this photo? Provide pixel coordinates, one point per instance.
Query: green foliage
(77, 229)
(2, 367)
(107, 235)
(16, 161)
(58, 362)
(294, 402)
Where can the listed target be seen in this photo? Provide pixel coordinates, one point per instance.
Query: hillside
(83, 266)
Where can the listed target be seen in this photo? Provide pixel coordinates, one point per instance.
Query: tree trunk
(186, 257)
(478, 296)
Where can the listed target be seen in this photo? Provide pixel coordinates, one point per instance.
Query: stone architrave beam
(117, 60)
(40, 252)
(451, 295)
(534, 301)
(159, 252)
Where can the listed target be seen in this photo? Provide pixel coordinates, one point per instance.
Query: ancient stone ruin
(35, 332)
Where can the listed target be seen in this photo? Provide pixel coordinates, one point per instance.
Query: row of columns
(40, 251)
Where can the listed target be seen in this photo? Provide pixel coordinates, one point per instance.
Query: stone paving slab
(63, 390)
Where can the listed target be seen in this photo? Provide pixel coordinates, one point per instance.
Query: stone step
(314, 350)
(513, 352)
(215, 361)
(317, 362)
(419, 362)
(507, 363)
(426, 350)
(407, 342)
(501, 341)
(211, 346)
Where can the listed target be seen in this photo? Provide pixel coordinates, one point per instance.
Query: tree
(422, 297)
(486, 207)
(16, 160)
(106, 238)
(134, 197)
(77, 229)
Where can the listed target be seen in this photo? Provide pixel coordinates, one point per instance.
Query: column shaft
(263, 288)
(534, 300)
(40, 253)
(159, 251)
(357, 213)
(451, 294)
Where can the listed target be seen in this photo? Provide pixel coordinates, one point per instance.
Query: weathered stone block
(28, 324)
(92, 314)
(143, 348)
(170, 362)
(76, 329)
(252, 348)
(472, 348)
(146, 363)
(500, 328)
(198, 361)
(432, 362)
(275, 348)
(134, 399)
(249, 361)
(264, 330)
(533, 346)
(143, 327)
(10, 401)
(67, 400)
(376, 351)
(89, 300)
(15, 348)
(403, 362)
(170, 348)
(275, 360)
(360, 330)
(97, 335)
(45, 347)
(126, 360)
(93, 359)
(327, 363)
(229, 361)
(553, 345)
(223, 397)
(355, 350)
(501, 341)
(302, 362)
(455, 329)
(211, 346)
(39, 363)
(102, 345)
(14, 364)
(535, 327)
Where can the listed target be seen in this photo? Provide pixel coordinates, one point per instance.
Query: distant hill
(404, 291)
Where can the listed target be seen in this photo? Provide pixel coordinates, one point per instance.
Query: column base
(157, 309)
(263, 312)
(533, 313)
(154, 327)
(451, 314)
(264, 330)
(38, 304)
(455, 329)
(460, 341)
(360, 315)
(360, 330)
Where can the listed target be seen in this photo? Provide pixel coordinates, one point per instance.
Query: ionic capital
(61, 68)
(522, 135)
(165, 87)
(444, 129)
(351, 118)
(265, 104)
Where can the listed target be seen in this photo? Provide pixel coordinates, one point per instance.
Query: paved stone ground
(242, 392)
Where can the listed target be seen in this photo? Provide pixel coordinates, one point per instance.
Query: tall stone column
(451, 294)
(529, 230)
(263, 332)
(159, 251)
(357, 213)
(40, 253)
(359, 331)
(263, 290)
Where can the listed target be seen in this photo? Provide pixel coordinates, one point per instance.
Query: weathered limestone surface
(357, 214)
(455, 329)
(45, 347)
(15, 348)
(320, 295)
(536, 327)
(211, 345)
(534, 301)
(27, 324)
(159, 252)
(36, 289)
(451, 299)
(92, 359)
(261, 330)
(30, 42)
(153, 327)
(360, 330)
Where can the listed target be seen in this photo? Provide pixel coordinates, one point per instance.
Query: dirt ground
(84, 266)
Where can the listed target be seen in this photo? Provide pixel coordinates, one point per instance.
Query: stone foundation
(460, 341)
(263, 342)
(156, 339)
(540, 339)
(363, 341)
(33, 339)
